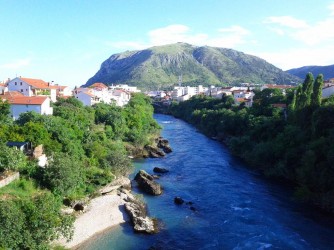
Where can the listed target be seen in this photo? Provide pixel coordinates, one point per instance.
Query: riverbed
(232, 206)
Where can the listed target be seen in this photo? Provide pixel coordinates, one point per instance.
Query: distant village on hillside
(27, 94)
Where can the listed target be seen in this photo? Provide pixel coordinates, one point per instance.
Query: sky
(66, 41)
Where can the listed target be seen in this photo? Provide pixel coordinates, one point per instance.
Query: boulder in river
(147, 184)
(164, 145)
(178, 200)
(160, 170)
(136, 209)
(154, 152)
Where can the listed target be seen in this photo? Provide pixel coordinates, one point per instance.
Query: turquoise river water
(236, 208)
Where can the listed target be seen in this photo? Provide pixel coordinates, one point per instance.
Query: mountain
(327, 71)
(162, 66)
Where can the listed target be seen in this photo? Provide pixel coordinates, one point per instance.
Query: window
(21, 90)
(21, 83)
(15, 83)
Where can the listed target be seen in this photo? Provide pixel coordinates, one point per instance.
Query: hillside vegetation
(161, 67)
(86, 149)
(294, 145)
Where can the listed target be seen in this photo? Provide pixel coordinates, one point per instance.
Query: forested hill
(162, 66)
(327, 71)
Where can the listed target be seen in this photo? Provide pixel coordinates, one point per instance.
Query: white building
(100, 93)
(3, 88)
(22, 104)
(327, 91)
(63, 91)
(33, 87)
(87, 98)
(125, 87)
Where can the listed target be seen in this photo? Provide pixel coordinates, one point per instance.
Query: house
(3, 88)
(275, 86)
(33, 87)
(63, 91)
(120, 96)
(327, 91)
(87, 98)
(99, 86)
(22, 146)
(21, 104)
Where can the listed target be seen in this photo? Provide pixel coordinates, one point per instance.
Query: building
(87, 98)
(63, 91)
(20, 104)
(3, 88)
(327, 91)
(33, 87)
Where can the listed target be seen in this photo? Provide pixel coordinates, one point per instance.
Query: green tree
(11, 159)
(44, 221)
(12, 225)
(4, 111)
(317, 91)
(305, 93)
(64, 174)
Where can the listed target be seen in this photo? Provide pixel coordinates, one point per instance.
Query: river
(236, 208)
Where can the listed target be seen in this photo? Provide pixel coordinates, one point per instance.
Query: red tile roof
(27, 100)
(10, 94)
(274, 86)
(38, 83)
(98, 85)
(279, 105)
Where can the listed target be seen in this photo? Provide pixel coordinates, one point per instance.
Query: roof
(241, 99)
(38, 83)
(27, 100)
(17, 143)
(274, 86)
(98, 85)
(2, 85)
(279, 105)
(10, 94)
(60, 87)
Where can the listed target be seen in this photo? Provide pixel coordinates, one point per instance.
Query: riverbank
(102, 213)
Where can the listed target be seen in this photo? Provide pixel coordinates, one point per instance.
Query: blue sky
(66, 41)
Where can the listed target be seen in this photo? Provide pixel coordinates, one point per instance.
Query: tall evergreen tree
(308, 88)
(317, 91)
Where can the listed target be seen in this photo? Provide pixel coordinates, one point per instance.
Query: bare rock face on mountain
(161, 66)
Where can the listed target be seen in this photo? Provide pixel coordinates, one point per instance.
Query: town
(28, 94)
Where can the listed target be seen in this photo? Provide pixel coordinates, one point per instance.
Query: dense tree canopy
(86, 148)
(295, 144)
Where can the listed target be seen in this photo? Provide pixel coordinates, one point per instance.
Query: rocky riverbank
(116, 205)
(157, 149)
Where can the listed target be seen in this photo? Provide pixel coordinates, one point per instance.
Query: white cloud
(17, 64)
(331, 8)
(316, 34)
(286, 21)
(175, 33)
(226, 37)
(298, 57)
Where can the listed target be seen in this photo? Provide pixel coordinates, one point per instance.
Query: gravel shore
(103, 212)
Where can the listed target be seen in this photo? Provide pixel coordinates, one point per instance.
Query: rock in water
(137, 212)
(178, 200)
(154, 152)
(147, 184)
(164, 145)
(160, 170)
